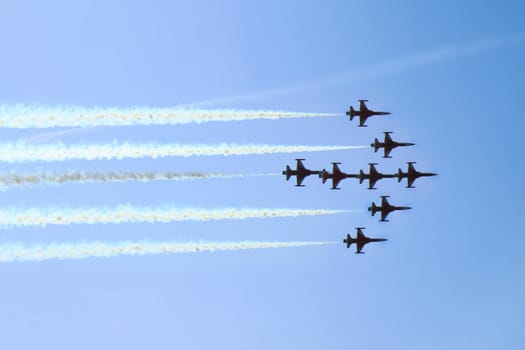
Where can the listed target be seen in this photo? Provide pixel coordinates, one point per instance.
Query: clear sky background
(450, 275)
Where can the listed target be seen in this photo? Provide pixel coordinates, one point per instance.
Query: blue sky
(450, 275)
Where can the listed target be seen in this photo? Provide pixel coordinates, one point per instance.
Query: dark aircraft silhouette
(364, 113)
(388, 145)
(361, 240)
(412, 174)
(373, 176)
(300, 173)
(337, 175)
(385, 208)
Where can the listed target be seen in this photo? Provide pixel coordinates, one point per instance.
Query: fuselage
(385, 210)
(336, 177)
(375, 240)
(289, 172)
(399, 208)
(417, 174)
(427, 174)
(411, 175)
(303, 173)
(363, 241)
(373, 176)
(388, 145)
(378, 113)
(368, 113)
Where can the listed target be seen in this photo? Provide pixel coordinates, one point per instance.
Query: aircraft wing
(387, 151)
(300, 165)
(335, 182)
(359, 247)
(371, 183)
(362, 106)
(372, 171)
(362, 120)
(384, 214)
(335, 169)
(410, 181)
(299, 179)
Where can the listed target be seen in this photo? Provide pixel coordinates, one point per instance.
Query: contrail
(12, 217)
(30, 116)
(81, 250)
(46, 136)
(18, 180)
(376, 70)
(22, 152)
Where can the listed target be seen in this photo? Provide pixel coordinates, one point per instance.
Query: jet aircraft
(300, 173)
(364, 113)
(361, 240)
(337, 175)
(373, 176)
(388, 144)
(385, 208)
(411, 175)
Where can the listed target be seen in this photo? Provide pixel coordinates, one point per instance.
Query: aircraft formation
(370, 178)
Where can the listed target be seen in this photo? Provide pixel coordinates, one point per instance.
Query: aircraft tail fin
(335, 169)
(348, 241)
(288, 172)
(361, 176)
(373, 209)
(399, 175)
(375, 144)
(352, 113)
(323, 175)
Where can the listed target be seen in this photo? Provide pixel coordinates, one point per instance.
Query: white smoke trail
(22, 152)
(18, 180)
(81, 250)
(129, 214)
(28, 116)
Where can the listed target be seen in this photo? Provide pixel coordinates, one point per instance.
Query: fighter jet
(385, 208)
(300, 173)
(388, 145)
(363, 112)
(337, 175)
(360, 240)
(373, 176)
(412, 174)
